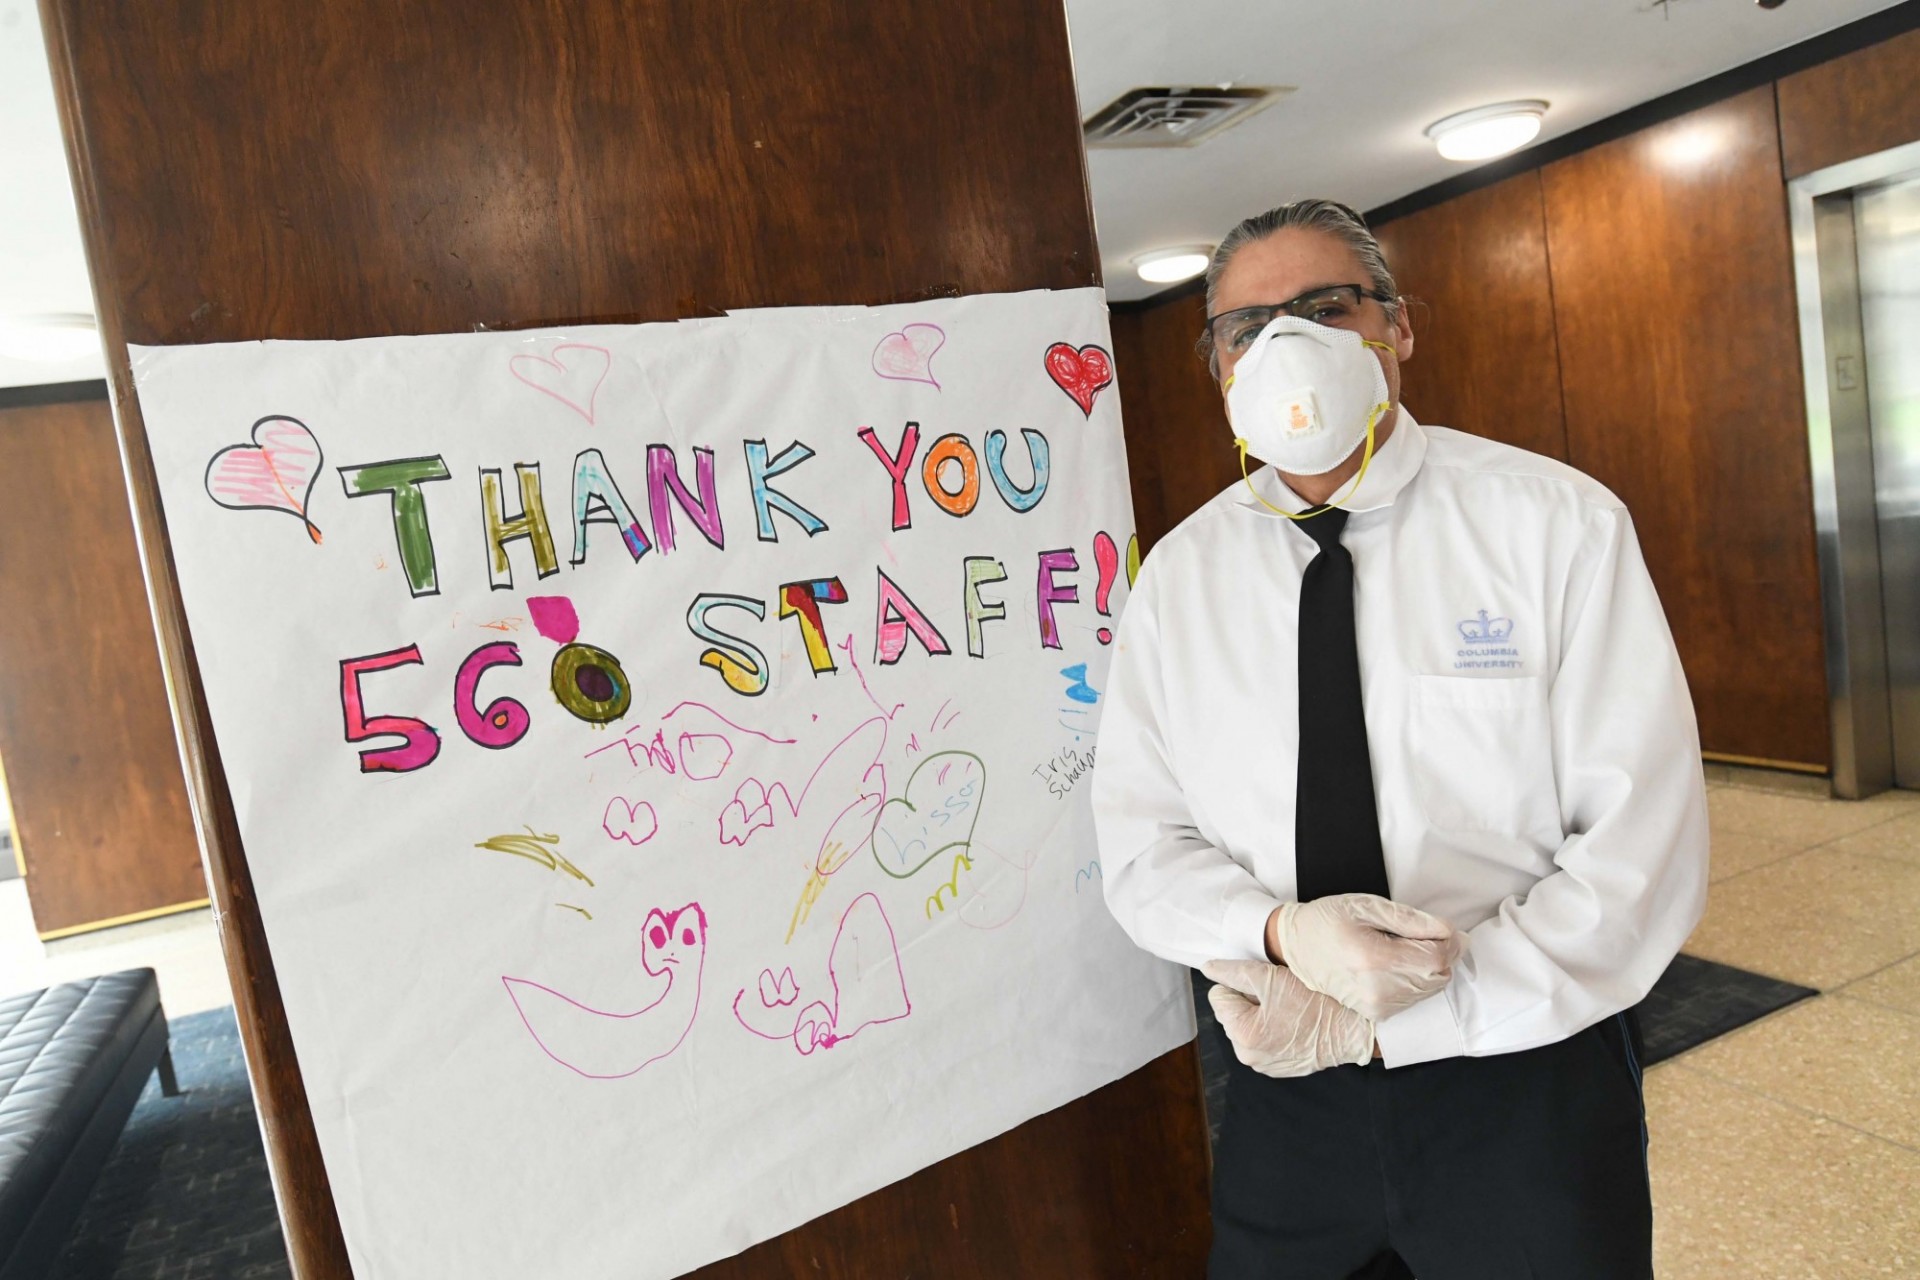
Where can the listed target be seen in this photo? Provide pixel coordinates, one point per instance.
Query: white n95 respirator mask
(1305, 396)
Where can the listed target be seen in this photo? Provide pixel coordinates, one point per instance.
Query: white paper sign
(662, 753)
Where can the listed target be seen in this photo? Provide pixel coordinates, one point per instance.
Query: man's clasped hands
(1344, 962)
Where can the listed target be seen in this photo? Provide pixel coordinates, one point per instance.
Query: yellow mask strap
(1373, 419)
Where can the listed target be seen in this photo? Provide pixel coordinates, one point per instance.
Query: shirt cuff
(1246, 923)
(1423, 1033)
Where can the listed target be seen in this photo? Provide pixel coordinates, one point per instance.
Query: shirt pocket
(1482, 754)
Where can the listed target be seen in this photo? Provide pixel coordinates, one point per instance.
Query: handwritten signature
(1065, 769)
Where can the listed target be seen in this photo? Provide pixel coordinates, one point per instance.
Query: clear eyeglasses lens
(1235, 331)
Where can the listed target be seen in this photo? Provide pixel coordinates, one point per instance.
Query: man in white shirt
(1416, 779)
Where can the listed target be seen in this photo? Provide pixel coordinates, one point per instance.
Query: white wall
(42, 266)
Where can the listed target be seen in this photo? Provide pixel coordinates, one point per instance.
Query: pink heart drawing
(775, 992)
(907, 356)
(274, 473)
(572, 379)
(635, 823)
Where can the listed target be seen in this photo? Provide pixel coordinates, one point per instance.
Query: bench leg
(169, 1085)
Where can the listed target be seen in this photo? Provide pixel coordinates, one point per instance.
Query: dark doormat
(1697, 1000)
(1694, 1001)
(186, 1192)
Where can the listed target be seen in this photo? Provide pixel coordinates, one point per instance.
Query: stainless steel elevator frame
(1840, 446)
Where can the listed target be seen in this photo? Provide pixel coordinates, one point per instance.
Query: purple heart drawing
(907, 356)
(571, 374)
(274, 473)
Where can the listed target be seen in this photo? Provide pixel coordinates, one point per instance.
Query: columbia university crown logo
(1485, 630)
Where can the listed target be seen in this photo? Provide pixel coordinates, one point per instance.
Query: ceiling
(1370, 75)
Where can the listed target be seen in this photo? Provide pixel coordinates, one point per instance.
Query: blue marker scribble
(1080, 690)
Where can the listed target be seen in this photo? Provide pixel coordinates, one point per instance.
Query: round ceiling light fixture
(1170, 266)
(1486, 132)
(49, 337)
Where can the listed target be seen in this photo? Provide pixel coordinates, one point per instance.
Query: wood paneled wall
(1629, 309)
(1179, 447)
(347, 168)
(1485, 358)
(1850, 107)
(99, 803)
(1680, 355)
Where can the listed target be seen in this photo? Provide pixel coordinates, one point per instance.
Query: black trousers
(1528, 1164)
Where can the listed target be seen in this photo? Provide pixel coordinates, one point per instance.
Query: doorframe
(1826, 277)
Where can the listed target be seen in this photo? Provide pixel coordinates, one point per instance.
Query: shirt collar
(1394, 464)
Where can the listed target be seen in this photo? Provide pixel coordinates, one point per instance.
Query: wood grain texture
(544, 163)
(92, 769)
(1131, 372)
(1680, 359)
(1038, 1211)
(1853, 106)
(1179, 447)
(1485, 358)
(347, 168)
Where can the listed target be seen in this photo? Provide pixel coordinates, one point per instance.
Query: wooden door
(1485, 357)
(99, 809)
(1680, 363)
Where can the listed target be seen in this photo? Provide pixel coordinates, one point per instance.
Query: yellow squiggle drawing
(937, 902)
(832, 857)
(816, 885)
(533, 847)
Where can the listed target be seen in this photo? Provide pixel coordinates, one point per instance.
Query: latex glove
(1278, 1026)
(1372, 954)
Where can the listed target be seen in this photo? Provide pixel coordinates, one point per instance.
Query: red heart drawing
(574, 383)
(907, 356)
(1081, 374)
(274, 473)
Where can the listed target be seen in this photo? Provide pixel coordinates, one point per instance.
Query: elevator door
(1887, 231)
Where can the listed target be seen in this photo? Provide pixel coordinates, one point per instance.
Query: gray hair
(1329, 216)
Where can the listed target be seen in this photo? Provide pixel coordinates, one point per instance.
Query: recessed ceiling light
(62, 335)
(1169, 266)
(1486, 132)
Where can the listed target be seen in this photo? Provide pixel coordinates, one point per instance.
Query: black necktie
(1336, 829)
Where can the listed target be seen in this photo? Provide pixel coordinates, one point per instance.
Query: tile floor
(1791, 1148)
(1788, 1149)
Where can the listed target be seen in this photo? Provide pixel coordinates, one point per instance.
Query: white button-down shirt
(1535, 760)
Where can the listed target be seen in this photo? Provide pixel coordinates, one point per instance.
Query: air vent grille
(1181, 117)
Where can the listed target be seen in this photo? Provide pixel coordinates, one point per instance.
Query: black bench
(73, 1060)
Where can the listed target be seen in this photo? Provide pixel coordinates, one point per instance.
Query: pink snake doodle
(602, 1045)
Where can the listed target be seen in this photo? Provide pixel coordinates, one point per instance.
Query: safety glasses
(1337, 306)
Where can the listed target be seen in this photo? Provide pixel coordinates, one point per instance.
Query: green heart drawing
(936, 815)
